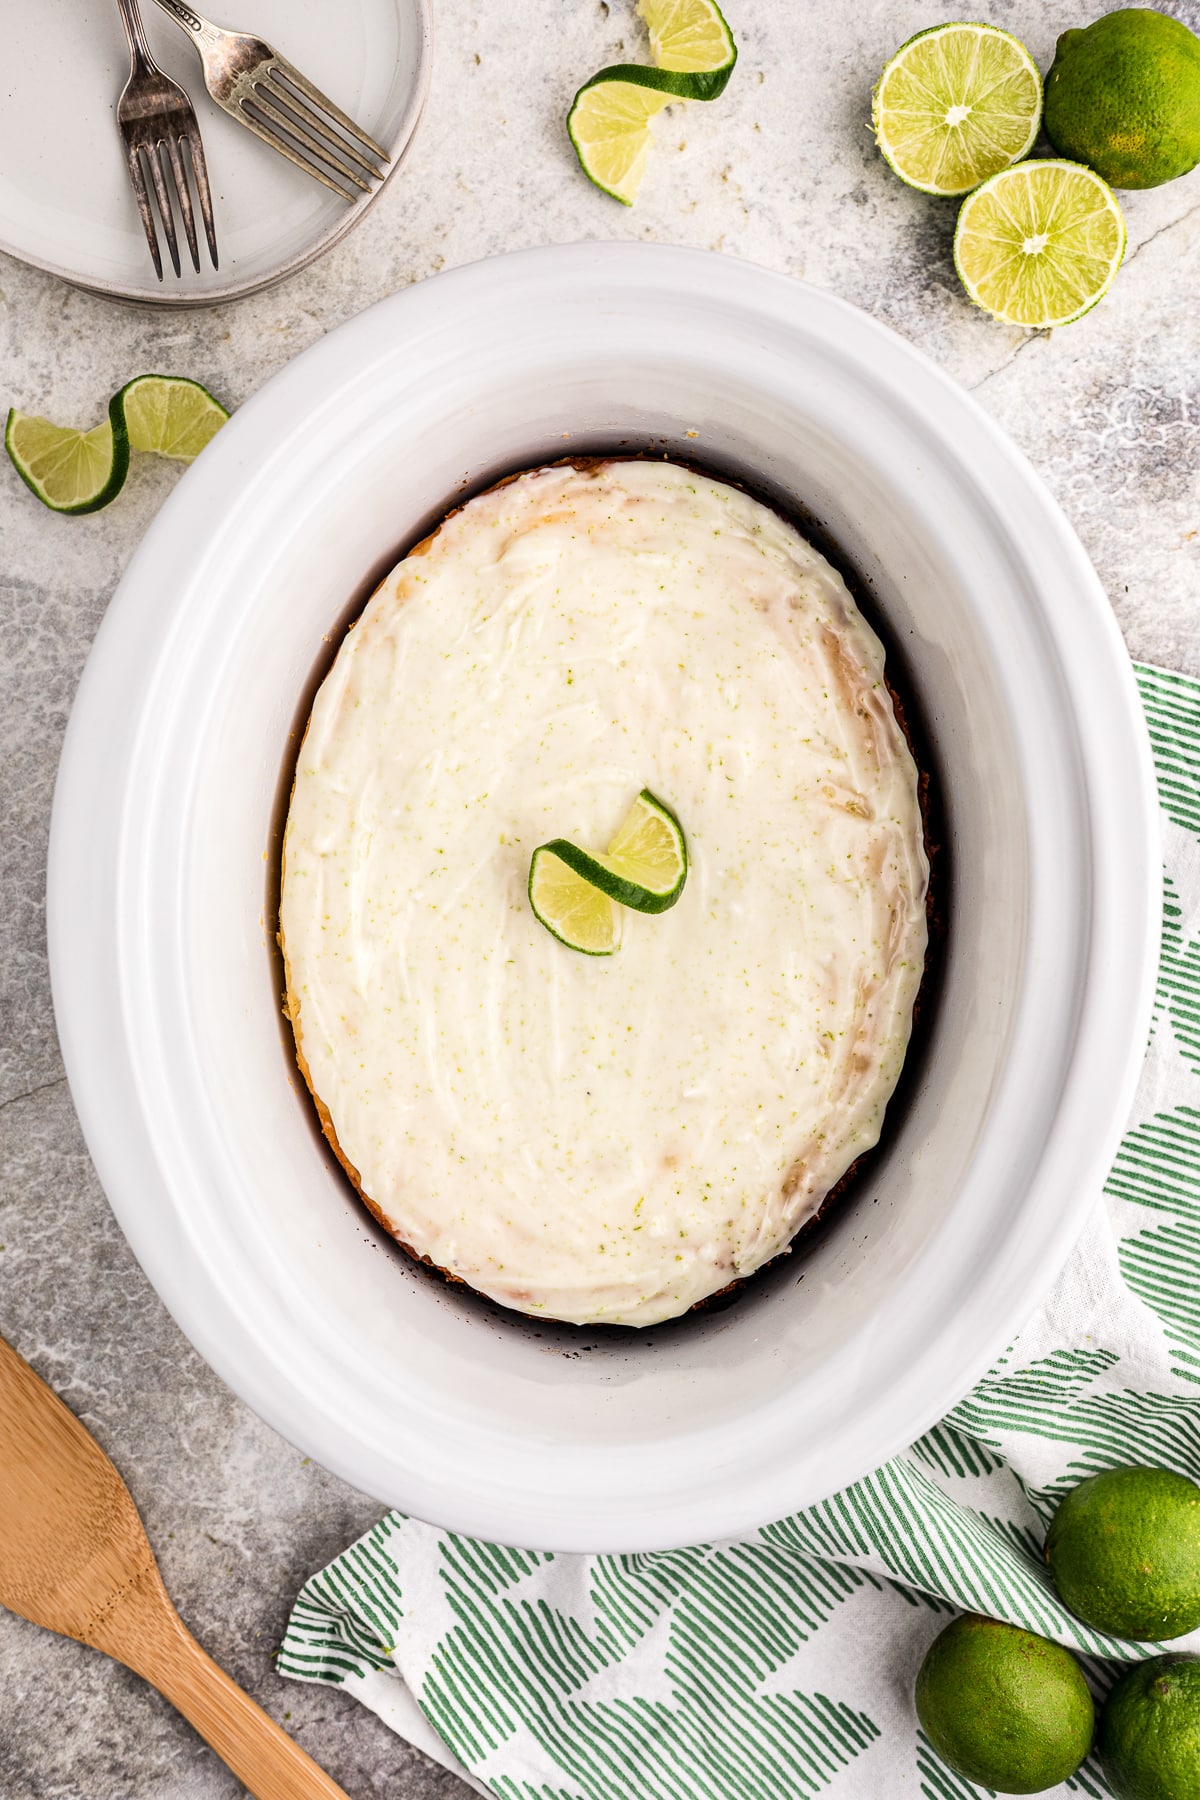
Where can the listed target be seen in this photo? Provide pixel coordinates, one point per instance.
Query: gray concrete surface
(782, 171)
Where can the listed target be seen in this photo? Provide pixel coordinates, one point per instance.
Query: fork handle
(203, 33)
(139, 47)
(143, 1630)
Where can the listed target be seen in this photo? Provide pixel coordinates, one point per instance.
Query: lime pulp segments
(572, 909)
(1040, 243)
(70, 471)
(609, 125)
(170, 415)
(691, 37)
(955, 105)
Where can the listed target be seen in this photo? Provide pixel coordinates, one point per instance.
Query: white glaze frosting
(604, 1139)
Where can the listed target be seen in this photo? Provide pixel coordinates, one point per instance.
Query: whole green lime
(1124, 1553)
(1149, 1737)
(1003, 1707)
(1123, 96)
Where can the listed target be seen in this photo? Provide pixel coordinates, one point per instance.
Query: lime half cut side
(691, 37)
(955, 105)
(570, 907)
(70, 471)
(170, 415)
(1039, 244)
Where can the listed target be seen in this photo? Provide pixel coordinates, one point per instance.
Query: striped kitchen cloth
(780, 1666)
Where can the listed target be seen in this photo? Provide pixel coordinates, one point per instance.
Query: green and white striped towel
(780, 1666)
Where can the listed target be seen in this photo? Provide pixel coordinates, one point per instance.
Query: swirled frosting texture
(604, 1139)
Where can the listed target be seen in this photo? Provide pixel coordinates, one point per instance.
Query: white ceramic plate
(65, 200)
(162, 901)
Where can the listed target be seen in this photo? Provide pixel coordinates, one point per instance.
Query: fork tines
(298, 120)
(165, 165)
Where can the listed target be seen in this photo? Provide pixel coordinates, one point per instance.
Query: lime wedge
(70, 471)
(572, 909)
(170, 415)
(955, 105)
(691, 37)
(1040, 243)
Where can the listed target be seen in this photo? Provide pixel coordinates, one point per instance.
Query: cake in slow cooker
(604, 1139)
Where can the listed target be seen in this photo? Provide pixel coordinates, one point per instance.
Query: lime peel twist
(681, 84)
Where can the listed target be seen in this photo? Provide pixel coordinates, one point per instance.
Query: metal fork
(261, 90)
(156, 121)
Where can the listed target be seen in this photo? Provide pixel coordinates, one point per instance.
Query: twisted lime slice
(570, 908)
(1040, 243)
(955, 105)
(80, 471)
(609, 121)
(644, 868)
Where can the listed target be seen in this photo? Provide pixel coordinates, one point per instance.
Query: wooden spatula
(74, 1558)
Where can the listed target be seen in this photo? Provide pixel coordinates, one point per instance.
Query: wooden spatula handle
(74, 1558)
(263, 1757)
(144, 1631)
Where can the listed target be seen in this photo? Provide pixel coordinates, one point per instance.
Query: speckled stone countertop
(783, 171)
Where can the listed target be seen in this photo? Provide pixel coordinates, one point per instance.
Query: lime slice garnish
(609, 121)
(955, 105)
(69, 471)
(572, 909)
(690, 36)
(645, 866)
(170, 415)
(81, 471)
(1040, 243)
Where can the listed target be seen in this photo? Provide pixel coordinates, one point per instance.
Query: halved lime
(70, 471)
(170, 415)
(691, 36)
(1040, 243)
(572, 909)
(609, 121)
(955, 105)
